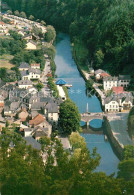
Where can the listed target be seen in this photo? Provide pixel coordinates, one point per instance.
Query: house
(32, 142)
(27, 37)
(52, 112)
(119, 102)
(25, 84)
(127, 102)
(37, 120)
(118, 90)
(23, 114)
(39, 132)
(112, 104)
(24, 66)
(124, 80)
(2, 24)
(110, 82)
(35, 66)
(31, 74)
(1, 103)
(97, 73)
(20, 32)
(104, 74)
(31, 45)
(11, 108)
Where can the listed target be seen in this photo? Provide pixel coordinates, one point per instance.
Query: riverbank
(116, 130)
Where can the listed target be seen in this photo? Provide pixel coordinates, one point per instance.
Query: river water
(67, 70)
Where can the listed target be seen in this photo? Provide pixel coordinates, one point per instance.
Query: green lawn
(5, 61)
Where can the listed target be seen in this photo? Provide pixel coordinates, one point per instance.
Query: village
(112, 90)
(24, 108)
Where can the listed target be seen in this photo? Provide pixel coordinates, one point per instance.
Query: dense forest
(104, 27)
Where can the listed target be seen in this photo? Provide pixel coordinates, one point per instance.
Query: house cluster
(29, 73)
(34, 113)
(24, 27)
(119, 99)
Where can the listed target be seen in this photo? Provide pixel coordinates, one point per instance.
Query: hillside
(106, 28)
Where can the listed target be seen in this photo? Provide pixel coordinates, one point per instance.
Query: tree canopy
(69, 117)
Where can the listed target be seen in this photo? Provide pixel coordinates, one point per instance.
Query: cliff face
(131, 123)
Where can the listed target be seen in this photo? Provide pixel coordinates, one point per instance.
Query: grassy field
(5, 61)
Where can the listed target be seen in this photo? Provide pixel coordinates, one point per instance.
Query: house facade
(110, 82)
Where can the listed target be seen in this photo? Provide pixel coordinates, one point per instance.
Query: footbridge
(87, 117)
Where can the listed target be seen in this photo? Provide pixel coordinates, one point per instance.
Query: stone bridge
(87, 117)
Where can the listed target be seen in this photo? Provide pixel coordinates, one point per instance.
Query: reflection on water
(96, 123)
(67, 69)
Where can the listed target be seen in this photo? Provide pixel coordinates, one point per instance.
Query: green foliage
(126, 169)
(131, 123)
(89, 84)
(50, 34)
(53, 87)
(104, 28)
(31, 17)
(23, 15)
(16, 13)
(39, 86)
(128, 152)
(69, 117)
(9, 12)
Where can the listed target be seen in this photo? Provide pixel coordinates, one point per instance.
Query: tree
(7, 123)
(39, 86)
(31, 17)
(126, 169)
(23, 15)
(128, 152)
(77, 141)
(69, 117)
(50, 35)
(16, 13)
(9, 12)
(43, 22)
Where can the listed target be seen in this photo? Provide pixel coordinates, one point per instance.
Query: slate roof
(52, 108)
(35, 71)
(110, 79)
(24, 65)
(99, 71)
(60, 82)
(24, 73)
(24, 82)
(31, 141)
(124, 77)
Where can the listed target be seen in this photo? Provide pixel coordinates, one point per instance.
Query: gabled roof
(31, 141)
(118, 90)
(110, 79)
(38, 65)
(24, 82)
(124, 77)
(24, 65)
(52, 107)
(35, 71)
(37, 120)
(60, 82)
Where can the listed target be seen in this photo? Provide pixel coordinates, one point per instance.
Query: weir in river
(67, 70)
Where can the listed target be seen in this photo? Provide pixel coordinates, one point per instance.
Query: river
(67, 70)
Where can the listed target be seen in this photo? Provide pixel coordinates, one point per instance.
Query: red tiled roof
(2, 23)
(104, 74)
(1, 104)
(35, 65)
(118, 90)
(37, 120)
